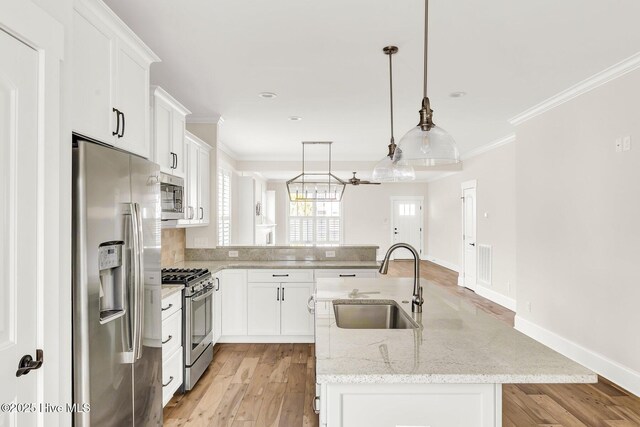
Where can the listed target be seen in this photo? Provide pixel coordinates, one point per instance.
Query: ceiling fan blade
(370, 183)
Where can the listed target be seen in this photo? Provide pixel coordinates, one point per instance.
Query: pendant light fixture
(315, 186)
(427, 144)
(388, 170)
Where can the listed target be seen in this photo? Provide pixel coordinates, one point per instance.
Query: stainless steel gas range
(197, 319)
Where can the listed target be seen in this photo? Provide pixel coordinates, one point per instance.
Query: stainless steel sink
(371, 315)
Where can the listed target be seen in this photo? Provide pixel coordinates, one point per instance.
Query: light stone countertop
(457, 343)
(168, 290)
(215, 266)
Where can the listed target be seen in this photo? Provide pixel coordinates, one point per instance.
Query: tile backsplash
(173, 245)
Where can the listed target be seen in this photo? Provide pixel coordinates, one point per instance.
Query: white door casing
(469, 248)
(40, 164)
(19, 222)
(407, 224)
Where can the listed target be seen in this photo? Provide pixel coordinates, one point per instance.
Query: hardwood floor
(259, 385)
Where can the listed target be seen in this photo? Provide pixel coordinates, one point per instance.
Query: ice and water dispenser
(112, 280)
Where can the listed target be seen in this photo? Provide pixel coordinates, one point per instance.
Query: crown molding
(490, 146)
(621, 68)
(210, 120)
(225, 149)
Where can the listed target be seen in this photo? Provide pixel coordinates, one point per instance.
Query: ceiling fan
(357, 181)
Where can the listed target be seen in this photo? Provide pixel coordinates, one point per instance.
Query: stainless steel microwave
(172, 197)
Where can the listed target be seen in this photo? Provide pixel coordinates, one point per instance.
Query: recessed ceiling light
(457, 94)
(267, 95)
(295, 118)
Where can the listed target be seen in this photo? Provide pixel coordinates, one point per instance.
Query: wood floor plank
(228, 406)
(270, 355)
(309, 417)
(527, 405)
(280, 373)
(269, 415)
(291, 415)
(558, 413)
(583, 407)
(245, 370)
(232, 364)
(239, 423)
(206, 409)
(300, 353)
(252, 402)
(297, 378)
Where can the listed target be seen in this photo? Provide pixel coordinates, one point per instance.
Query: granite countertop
(168, 290)
(215, 266)
(456, 343)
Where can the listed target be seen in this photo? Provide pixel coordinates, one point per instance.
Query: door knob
(472, 244)
(27, 364)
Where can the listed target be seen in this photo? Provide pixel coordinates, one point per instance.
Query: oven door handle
(203, 296)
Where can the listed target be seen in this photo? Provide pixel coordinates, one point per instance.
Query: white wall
(207, 236)
(366, 212)
(578, 225)
(495, 175)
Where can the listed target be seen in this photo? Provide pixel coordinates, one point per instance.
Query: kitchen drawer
(358, 273)
(171, 334)
(172, 375)
(281, 276)
(171, 304)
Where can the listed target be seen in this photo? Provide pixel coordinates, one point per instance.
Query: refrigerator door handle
(135, 269)
(139, 283)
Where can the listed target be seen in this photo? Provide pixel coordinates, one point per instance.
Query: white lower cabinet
(278, 309)
(383, 405)
(263, 308)
(217, 310)
(233, 302)
(172, 350)
(295, 317)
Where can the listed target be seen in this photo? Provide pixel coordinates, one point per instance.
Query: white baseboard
(496, 297)
(269, 339)
(443, 263)
(619, 374)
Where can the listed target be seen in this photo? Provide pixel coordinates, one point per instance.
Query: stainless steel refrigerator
(117, 342)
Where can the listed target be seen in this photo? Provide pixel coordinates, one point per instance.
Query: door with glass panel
(407, 225)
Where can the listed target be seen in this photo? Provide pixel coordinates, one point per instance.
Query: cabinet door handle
(278, 294)
(121, 134)
(167, 340)
(201, 212)
(117, 132)
(167, 307)
(168, 382)
(279, 275)
(347, 275)
(283, 293)
(217, 284)
(175, 161)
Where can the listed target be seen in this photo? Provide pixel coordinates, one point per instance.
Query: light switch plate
(626, 143)
(330, 254)
(618, 145)
(233, 254)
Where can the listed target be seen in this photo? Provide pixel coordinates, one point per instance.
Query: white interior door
(469, 240)
(19, 172)
(407, 225)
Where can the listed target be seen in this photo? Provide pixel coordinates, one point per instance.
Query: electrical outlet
(529, 306)
(233, 254)
(626, 143)
(618, 145)
(330, 254)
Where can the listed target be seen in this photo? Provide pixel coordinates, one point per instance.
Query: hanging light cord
(426, 45)
(391, 94)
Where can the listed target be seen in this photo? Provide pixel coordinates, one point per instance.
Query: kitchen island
(446, 371)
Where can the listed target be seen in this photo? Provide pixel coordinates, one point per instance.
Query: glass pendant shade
(388, 171)
(427, 148)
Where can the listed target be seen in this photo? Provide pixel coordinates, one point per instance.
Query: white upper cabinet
(111, 79)
(169, 117)
(197, 182)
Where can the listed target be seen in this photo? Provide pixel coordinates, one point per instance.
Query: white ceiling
(324, 60)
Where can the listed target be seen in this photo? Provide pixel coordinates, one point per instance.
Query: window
(315, 223)
(224, 207)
